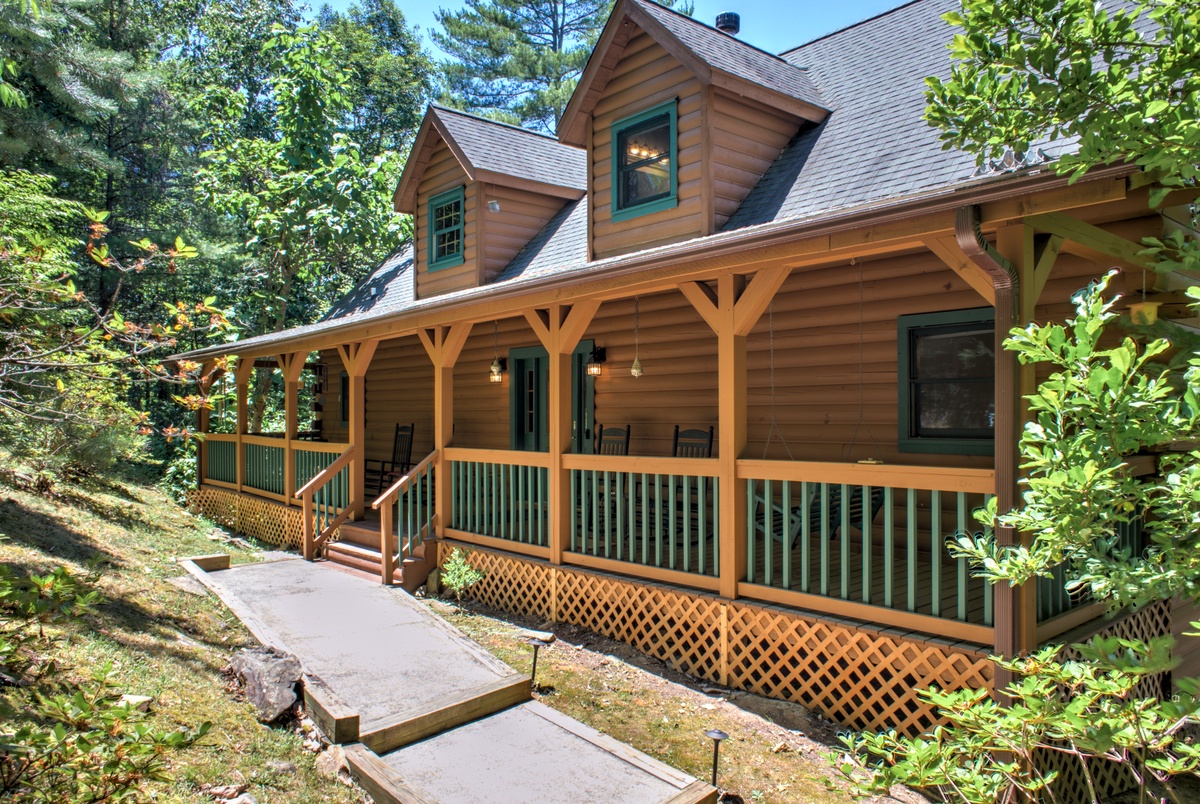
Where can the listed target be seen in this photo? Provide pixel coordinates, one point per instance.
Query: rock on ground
(270, 676)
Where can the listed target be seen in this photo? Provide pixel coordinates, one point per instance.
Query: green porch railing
(222, 461)
(331, 498)
(415, 507)
(877, 545)
(1054, 597)
(501, 500)
(309, 463)
(264, 467)
(668, 521)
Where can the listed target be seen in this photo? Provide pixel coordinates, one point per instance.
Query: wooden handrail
(930, 478)
(225, 437)
(643, 464)
(326, 474)
(509, 457)
(301, 445)
(394, 490)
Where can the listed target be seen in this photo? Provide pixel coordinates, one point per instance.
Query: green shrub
(458, 575)
(62, 740)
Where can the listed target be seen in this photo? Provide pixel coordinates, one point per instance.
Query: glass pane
(644, 162)
(447, 215)
(646, 183)
(448, 244)
(954, 355)
(968, 408)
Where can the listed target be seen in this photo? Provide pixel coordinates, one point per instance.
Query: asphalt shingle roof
(514, 151)
(731, 55)
(873, 150)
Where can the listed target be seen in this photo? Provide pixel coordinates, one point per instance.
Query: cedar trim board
(383, 654)
(524, 753)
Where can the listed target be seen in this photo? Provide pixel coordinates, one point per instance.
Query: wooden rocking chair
(613, 441)
(810, 509)
(382, 473)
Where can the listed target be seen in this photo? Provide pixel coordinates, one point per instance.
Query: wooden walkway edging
(479, 713)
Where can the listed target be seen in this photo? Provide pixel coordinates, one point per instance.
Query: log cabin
(714, 371)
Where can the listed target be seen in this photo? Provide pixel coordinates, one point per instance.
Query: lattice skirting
(857, 676)
(1110, 778)
(261, 519)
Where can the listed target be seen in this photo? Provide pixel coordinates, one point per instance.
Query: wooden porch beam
(731, 429)
(756, 297)
(704, 299)
(539, 322)
(1091, 238)
(574, 325)
(1046, 253)
(356, 358)
(949, 252)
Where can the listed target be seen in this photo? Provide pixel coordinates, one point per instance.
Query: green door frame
(529, 399)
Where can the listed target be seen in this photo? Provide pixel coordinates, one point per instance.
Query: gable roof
(875, 159)
(712, 56)
(494, 152)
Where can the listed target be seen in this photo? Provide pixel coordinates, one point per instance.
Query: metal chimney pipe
(729, 23)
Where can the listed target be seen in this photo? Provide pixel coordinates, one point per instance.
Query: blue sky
(774, 25)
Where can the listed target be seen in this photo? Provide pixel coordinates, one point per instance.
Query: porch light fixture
(636, 368)
(716, 735)
(595, 364)
(499, 364)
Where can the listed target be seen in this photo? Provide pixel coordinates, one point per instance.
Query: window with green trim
(446, 230)
(947, 368)
(645, 163)
(344, 400)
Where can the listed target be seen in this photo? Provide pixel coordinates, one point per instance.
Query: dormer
(680, 121)
(478, 191)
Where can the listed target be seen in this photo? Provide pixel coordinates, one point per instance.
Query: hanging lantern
(636, 368)
(1144, 313)
(595, 363)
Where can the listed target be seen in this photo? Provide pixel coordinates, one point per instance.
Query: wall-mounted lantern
(595, 363)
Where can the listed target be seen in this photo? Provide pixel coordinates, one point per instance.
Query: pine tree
(519, 60)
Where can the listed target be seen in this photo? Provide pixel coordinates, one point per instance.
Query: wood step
(364, 532)
(354, 555)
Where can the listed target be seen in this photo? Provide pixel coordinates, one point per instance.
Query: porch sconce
(499, 366)
(493, 206)
(595, 364)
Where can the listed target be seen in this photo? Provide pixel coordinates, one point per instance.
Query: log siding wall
(445, 173)
(521, 216)
(746, 138)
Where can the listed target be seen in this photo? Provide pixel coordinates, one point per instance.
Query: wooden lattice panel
(676, 626)
(857, 677)
(251, 516)
(509, 584)
(1110, 778)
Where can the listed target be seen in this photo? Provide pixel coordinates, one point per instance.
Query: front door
(530, 399)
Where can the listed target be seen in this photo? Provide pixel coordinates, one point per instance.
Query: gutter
(969, 236)
(717, 245)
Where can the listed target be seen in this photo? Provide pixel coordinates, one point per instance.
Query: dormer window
(446, 230)
(644, 162)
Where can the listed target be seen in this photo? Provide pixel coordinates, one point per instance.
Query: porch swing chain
(774, 428)
(861, 378)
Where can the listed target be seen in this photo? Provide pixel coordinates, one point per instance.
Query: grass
(612, 688)
(163, 642)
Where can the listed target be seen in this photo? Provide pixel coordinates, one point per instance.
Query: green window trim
(909, 329)
(452, 227)
(622, 210)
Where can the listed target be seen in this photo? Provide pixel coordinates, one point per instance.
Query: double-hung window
(644, 162)
(948, 382)
(446, 230)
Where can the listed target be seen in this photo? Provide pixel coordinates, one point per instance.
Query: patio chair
(795, 525)
(612, 441)
(383, 473)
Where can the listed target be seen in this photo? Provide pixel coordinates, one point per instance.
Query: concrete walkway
(429, 715)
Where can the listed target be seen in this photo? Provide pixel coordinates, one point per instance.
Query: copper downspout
(1003, 274)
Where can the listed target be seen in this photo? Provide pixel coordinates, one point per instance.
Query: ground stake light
(717, 736)
(537, 644)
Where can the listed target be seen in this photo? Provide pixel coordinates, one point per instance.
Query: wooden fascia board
(604, 57)
(858, 235)
(455, 148)
(769, 97)
(530, 185)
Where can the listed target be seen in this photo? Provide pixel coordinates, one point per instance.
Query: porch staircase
(357, 547)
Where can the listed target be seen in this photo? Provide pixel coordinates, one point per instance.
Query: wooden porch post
(443, 345)
(731, 313)
(560, 329)
(245, 367)
(208, 375)
(356, 357)
(291, 365)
